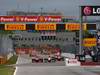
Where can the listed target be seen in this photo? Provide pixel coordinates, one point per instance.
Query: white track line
(15, 70)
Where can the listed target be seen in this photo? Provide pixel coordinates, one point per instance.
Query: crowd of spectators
(93, 52)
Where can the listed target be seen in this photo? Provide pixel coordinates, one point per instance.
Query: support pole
(80, 32)
(41, 11)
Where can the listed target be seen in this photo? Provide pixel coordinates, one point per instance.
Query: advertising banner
(74, 26)
(45, 26)
(89, 42)
(30, 18)
(15, 27)
(90, 10)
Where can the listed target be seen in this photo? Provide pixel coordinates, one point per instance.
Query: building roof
(34, 13)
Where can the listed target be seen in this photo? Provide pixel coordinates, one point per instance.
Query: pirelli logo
(50, 26)
(15, 27)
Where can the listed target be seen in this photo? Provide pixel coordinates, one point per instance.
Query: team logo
(41, 19)
(87, 10)
(17, 18)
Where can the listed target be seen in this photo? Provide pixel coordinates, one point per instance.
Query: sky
(67, 7)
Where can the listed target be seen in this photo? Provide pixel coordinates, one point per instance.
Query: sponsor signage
(74, 26)
(15, 27)
(45, 26)
(48, 33)
(89, 42)
(90, 10)
(72, 62)
(30, 18)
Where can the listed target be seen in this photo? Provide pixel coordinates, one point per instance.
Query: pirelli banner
(75, 26)
(45, 26)
(89, 42)
(15, 27)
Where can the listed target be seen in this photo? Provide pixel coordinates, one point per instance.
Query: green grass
(8, 70)
(12, 60)
(4, 70)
